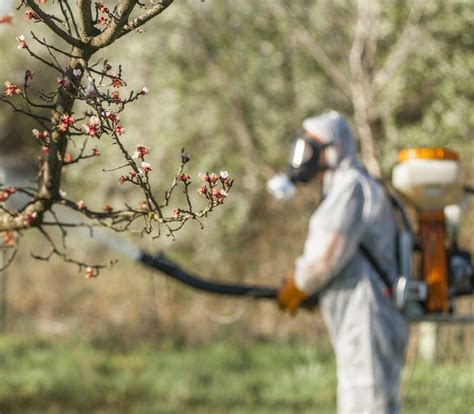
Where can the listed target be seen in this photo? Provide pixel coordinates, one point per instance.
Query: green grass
(40, 376)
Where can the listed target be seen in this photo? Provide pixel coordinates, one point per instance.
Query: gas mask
(303, 165)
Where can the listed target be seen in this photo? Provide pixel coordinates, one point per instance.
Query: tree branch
(145, 17)
(303, 36)
(86, 25)
(47, 20)
(112, 32)
(401, 49)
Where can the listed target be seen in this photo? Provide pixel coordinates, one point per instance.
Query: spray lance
(430, 180)
(165, 265)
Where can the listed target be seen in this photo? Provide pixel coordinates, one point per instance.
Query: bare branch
(401, 50)
(145, 17)
(68, 17)
(303, 36)
(48, 21)
(38, 118)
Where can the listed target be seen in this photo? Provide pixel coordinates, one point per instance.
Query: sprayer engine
(460, 272)
(431, 180)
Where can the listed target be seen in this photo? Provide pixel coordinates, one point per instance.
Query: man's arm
(334, 235)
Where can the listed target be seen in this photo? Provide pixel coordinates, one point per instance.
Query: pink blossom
(224, 174)
(202, 190)
(30, 15)
(113, 117)
(108, 208)
(101, 7)
(102, 21)
(219, 195)
(132, 174)
(77, 73)
(6, 19)
(90, 91)
(213, 177)
(92, 128)
(122, 179)
(4, 195)
(28, 218)
(116, 82)
(185, 178)
(8, 239)
(146, 167)
(67, 158)
(65, 83)
(90, 274)
(11, 89)
(21, 42)
(177, 213)
(204, 177)
(40, 135)
(81, 205)
(144, 91)
(66, 122)
(141, 151)
(115, 96)
(119, 130)
(95, 152)
(45, 149)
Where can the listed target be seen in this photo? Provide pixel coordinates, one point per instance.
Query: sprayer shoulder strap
(376, 265)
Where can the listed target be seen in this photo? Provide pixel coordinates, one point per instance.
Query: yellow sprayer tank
(431, 179)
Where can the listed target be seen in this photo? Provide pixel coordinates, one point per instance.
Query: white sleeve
(334, 235)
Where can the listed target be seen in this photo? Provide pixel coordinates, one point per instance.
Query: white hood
(332, 128)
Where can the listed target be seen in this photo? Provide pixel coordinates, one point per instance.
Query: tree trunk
(364, 130)
(49, 177)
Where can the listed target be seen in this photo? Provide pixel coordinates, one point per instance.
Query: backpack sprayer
(431, 180)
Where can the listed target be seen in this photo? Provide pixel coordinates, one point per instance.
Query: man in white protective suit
(352, 228)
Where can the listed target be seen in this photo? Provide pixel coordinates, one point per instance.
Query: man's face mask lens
(303, 165)
(304, 160)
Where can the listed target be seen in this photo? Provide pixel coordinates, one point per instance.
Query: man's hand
(289, 296)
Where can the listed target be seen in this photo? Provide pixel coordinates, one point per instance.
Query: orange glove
(289, 296)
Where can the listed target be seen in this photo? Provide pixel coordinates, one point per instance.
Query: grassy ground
(39, 376)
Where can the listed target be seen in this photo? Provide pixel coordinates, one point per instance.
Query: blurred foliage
(40, 376)
(229, 83)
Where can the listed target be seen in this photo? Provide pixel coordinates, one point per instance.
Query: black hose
(166, 266)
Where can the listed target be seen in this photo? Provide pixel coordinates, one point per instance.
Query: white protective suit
(368, 333)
